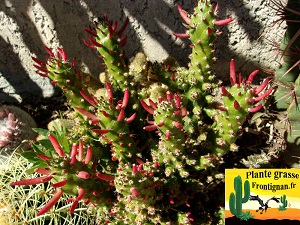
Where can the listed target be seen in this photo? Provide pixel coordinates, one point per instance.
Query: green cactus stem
(64, 75)
(202, 33)
(236, 200)
(72, 172)
(237, 102)
(137, 190)
(109, 43)
(114, 129)
(284, 203)
(169, 116)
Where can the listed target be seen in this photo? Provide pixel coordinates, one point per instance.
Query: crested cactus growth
(139, 157)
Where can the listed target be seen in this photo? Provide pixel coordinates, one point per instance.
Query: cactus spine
(236, 200)
(287, 95)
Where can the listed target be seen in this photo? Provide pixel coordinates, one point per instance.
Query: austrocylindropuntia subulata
(140, 159)
(15, 128)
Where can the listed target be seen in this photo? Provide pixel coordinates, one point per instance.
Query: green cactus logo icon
(284, 203)
(236, 200)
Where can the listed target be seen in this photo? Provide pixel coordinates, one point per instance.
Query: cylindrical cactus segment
(236, 200)
(80, 175)
(202, 33)
(64, 75)
(109, 42)
(114, 129)
(237, 103)
(136, 186)
(168, 117)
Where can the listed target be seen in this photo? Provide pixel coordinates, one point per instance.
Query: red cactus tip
(49, 51)
(56, 146)
(89, 154)
(59, 184)
(134, 169)
(109, 92)
(83, 175)
(94, 118)
(261, 87)
(51, 203)
(251, 76)
(62, 54)
(73, 153)
(32, 181)
(236, 105)
(184, 15)
(131, 118)
(125, 99)
(89, 98)
(91, 32)
(256, 108)
(264, 95)
(232, 73)
(179, 35)
(134, 192)
(148, 108)
(225, 92)
(80, 150)
(121, 115)
(80, 196)
(150, 127)
(223, 22)
(100, 131)
(122, 29)
(105, 177)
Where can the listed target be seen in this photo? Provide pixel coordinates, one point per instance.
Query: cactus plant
(137, 158)
(287, 93)
(15, 128)
(236, 200)
(284, 203)
(19, 204)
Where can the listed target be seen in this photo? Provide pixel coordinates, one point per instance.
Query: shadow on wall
(149, 20)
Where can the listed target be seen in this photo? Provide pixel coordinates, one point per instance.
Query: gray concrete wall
(27, 25)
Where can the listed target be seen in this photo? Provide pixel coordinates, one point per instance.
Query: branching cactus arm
(63, 74)
(109, 42)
